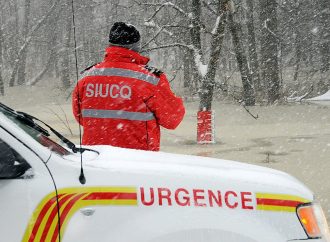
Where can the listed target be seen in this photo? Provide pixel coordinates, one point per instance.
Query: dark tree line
(252, 50)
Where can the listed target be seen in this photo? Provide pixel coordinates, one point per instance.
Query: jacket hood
(120, 54)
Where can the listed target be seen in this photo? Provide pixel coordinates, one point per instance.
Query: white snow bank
(324, 97)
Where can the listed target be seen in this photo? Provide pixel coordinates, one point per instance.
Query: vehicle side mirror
(11, 166)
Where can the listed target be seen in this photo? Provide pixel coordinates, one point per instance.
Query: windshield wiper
(30, 119)
(26, 121)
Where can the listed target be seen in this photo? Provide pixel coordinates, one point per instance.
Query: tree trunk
(21, 74)
(195, 31)
(248, 90)
(195, 36)
(207, 85)
(254, 62)
(324, 21)
(52, 57)
(2, 85)
(297, 43)
(188, 78)
(15, 47)
(65, 68)
(269, 49)
(297, 61)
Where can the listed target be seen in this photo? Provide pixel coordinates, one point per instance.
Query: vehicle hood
(161, 164)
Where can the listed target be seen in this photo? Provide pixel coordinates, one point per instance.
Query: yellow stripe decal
(278, 202)
(43, 224)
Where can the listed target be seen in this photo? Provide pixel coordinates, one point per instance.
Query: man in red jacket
(123, 102)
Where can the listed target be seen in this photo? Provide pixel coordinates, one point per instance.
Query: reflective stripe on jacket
(123, 104)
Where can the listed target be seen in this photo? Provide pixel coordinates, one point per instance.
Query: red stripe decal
(65, 212)
(41, 216)
(277, 202)
(52, 216)
(110, 196)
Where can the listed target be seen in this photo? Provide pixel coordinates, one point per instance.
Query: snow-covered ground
(293, 138)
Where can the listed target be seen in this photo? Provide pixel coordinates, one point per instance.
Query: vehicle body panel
(19, 197)
(160, 221)
(133, 195)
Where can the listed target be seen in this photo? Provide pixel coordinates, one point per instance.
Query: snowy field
(294, 138)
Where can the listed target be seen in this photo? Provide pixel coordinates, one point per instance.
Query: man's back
(123, 103)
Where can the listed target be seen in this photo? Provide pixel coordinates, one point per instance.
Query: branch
(162, 5)
(155, 13)
(279, 40)
(154, 37)
(169, 46)
(41, 21)
(216, 25)
(175, 74)
(238, 100)
(39, 76)
(307, 93)
(209, 8)
(180, 10)
(66, 122)
(249, 112)
(160, 30)
(154, 25)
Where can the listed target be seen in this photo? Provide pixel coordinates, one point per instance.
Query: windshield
(39, 135)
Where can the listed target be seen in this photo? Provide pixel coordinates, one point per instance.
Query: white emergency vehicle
(121, 195)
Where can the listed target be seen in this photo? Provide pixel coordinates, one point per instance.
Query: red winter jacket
(122, 103)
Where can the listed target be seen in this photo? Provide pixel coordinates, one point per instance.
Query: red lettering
(246, 199)
(213, 197)
(186, 199)
(198, 197)
(164, 193)
(235, 204)
(152, 197)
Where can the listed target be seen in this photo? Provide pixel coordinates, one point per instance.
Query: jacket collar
(120, 54)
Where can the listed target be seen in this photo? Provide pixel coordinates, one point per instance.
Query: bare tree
(65, 64)
(297, 39)
(324, 21)
(205, 57)
(252, 46)
(14, 42)
(248, 89)
(269, 49)
(2, 85)
(209, 46)
(207, 85)
(21, 75)
(51, 54)
(29, 38)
